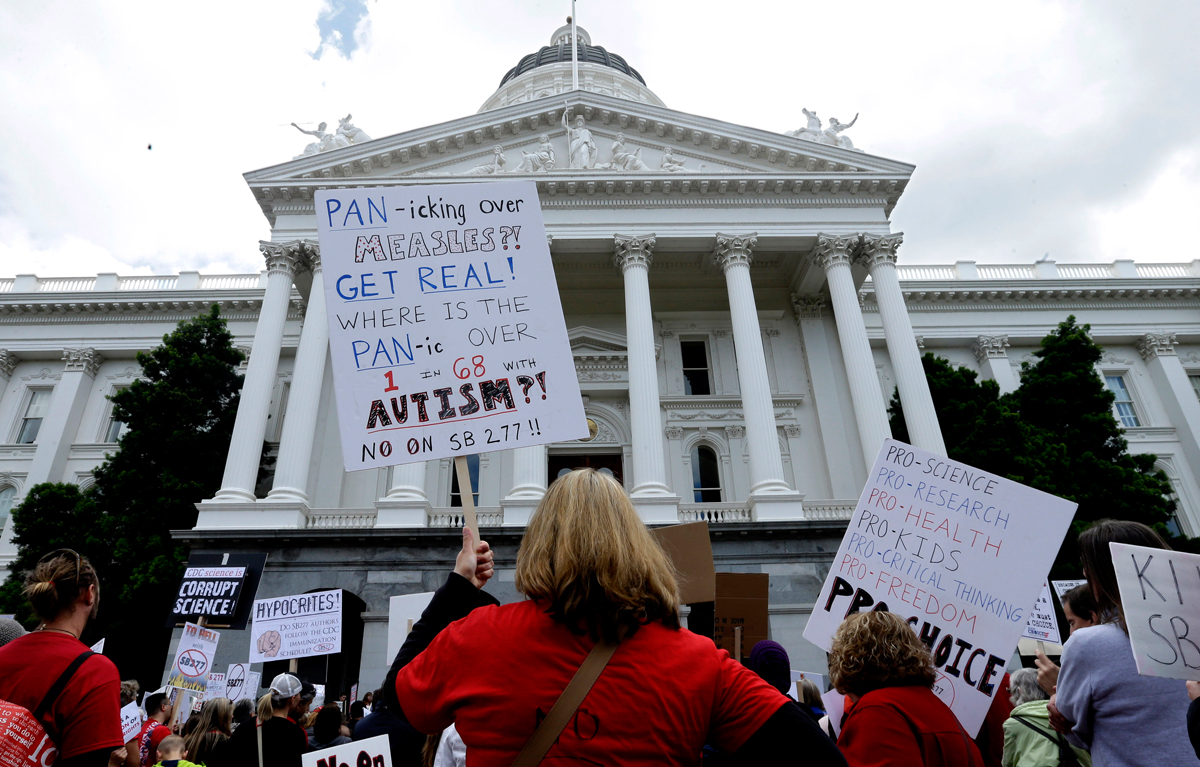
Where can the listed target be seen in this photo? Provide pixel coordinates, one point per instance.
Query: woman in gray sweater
(1124, 719)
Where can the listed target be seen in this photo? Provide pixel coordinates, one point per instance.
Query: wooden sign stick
(466, 491)
(737, 644)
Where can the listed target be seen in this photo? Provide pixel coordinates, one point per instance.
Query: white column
(406, 504)
(733, 254)
(61, 423)
(300, 422)
(833, 254)
(1178, 398)
(992, 354)
(650, 493)
(879, 256)
(245, 448)
(529, 485)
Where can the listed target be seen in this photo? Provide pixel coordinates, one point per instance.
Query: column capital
(312, 254)
(808, 307)
(674, 432)
(284, 257)
(86, 360)
(633, 250)
(735, 432)
(734, 249)
(835, 249)
(8, 362)
(1153, 345)
(879, 249)
(990, 347)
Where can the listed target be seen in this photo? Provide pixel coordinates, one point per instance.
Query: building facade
(739, 313)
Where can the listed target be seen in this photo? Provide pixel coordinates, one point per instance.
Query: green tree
(180, 418)
(1056, 433)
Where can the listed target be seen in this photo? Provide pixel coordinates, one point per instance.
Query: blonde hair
(875, 650)
(266, 710)
(217, 714)
(588, 557)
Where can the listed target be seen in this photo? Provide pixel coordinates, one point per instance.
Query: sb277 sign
(1160, 595)
(194, 658)
(445, 326)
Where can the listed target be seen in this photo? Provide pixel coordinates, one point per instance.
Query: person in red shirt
(591, 570)
(84, 720)
(896, 721)
(159, 710)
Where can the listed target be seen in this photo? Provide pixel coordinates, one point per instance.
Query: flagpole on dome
(574, 51)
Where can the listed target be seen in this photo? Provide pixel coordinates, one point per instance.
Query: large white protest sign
(958, 552)
(296, 626)
(403, 611)
(131, 721)
(194, 658)
(241, 682)
(1160, 596)
(445, 327)
(1042, 625)
(368, 752)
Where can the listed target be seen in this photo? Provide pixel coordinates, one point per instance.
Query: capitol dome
(547, 72)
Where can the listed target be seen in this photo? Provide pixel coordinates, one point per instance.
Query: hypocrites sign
(446, 329)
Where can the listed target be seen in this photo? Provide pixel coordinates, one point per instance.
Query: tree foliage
(180, 417)
(1056, 433)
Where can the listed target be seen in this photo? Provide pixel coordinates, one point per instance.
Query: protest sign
(741, 603)
(208, 592)
(955, 550)
(354, 692)
(403, 611)
(1160, 596)
(368, 752)
(1043, 624)
(1062, 587)
(98, 647)
(193, 659)
(690, 550)
(422, 370)
(297, 626)
(131, 721)
(216, 686)
(241, 682)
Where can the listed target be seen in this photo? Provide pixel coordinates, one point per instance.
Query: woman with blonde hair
(895, 720)
(207, 743)
(595, 580)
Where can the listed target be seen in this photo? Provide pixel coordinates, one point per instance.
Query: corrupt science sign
(445, 327)
(297, 626)
(211, 592)
(194, 658)
(958, 552)
(1160, 595)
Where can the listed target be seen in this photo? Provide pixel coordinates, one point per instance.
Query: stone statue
(582, 151)
(812, 131)
(623, 160)
(540, 160)
(352, 134)
(835, 127)
(489, 169)
(669, 163)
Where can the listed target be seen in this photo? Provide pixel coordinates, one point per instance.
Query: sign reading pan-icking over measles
(445, 326)
(959, 553)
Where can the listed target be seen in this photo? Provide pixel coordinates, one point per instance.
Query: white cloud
(1026, 121)
(1157, 224)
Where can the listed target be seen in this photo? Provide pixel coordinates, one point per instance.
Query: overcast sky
(1067, 128)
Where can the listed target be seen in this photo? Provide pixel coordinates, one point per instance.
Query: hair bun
(38, 588)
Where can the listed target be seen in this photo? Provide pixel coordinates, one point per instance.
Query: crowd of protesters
(478, 682)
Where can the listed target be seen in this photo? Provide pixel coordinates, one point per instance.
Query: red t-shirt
(148, 739)
(496, 673)
(89, 708)
(883, 728)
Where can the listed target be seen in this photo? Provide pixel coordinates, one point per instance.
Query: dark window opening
(695, 367)
(706, 475)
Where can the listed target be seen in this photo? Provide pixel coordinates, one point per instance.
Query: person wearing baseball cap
(274, 740)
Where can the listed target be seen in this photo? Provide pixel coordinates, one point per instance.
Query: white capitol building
(739, 311)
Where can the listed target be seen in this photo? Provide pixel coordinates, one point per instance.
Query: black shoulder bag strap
(1066, 754)
(59, 685)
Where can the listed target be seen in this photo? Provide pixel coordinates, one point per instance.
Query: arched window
(706, 475)
(6, 501)
(473, 469)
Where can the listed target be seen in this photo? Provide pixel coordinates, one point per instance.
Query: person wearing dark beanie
(770, 661)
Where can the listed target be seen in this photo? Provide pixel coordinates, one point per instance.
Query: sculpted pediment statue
(347, 134)
(830, 135)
